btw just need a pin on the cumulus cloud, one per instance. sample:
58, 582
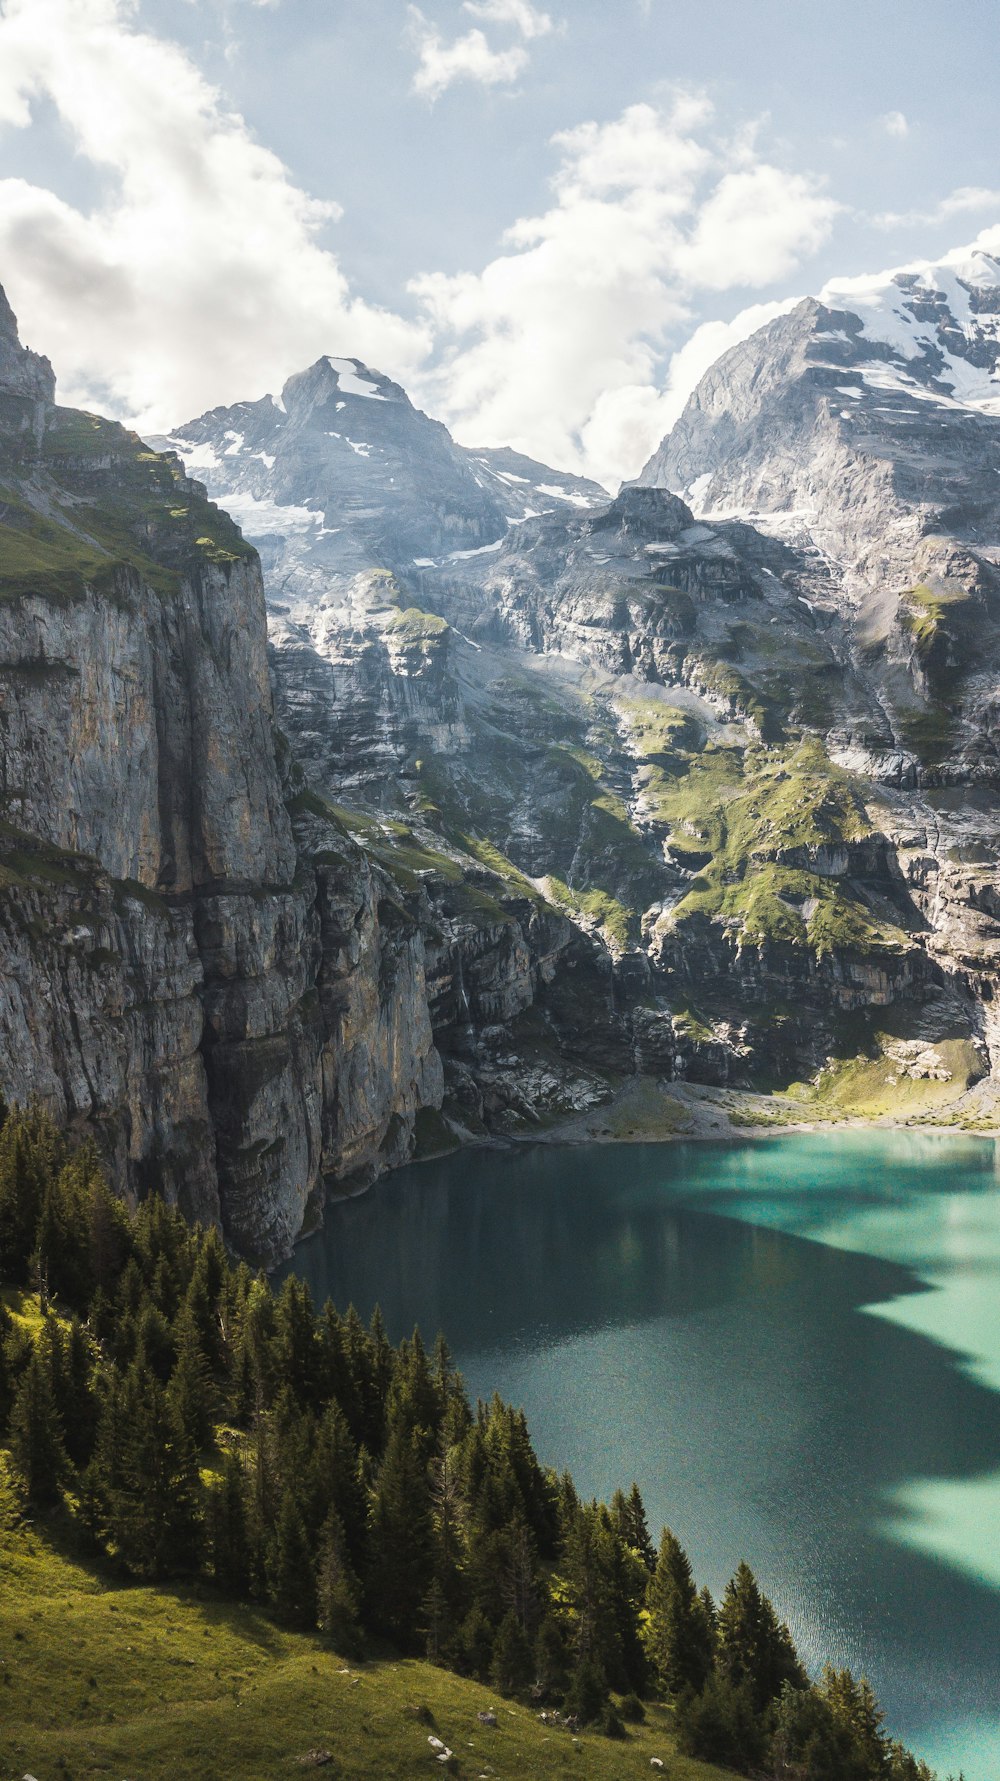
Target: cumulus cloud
200, 271
957, 203
895, 123
557, 345
524, 17
201, 276
472, 58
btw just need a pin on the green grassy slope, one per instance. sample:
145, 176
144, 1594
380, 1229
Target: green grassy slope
101, 1678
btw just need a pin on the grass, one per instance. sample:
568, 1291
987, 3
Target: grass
752, 822
596, 908
924, 611
101, 503
100, 1678
876, 1087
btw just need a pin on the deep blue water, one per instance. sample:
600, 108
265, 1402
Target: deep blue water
793, 1345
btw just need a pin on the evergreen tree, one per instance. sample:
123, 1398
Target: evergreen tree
78, 1405
512, 1661
191, 1393
551, 1660
754, 1646
808, 1744
401, 1538
854, 1707
721, 1725
338, 1593
629, 1515
435, 1614
475, 1644
291, 1574
678, 1637
587, 1694
152, 1504
228, 1533
36, 1435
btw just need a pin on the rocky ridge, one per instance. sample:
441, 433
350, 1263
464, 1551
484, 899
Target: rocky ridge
610, 704
565, 792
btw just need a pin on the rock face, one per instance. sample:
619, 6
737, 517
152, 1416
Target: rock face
234, 1009
863, 430
581, 705
699, 782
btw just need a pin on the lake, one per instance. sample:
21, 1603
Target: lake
792, 1344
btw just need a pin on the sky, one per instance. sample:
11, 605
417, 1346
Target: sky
544, 220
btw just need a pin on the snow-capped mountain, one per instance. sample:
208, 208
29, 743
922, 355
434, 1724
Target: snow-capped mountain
861, 423
343, 474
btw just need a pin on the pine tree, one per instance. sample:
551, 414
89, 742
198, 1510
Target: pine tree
291, 1575
475, 1644
754, 1646
79, 1405
677, 1638
513, 1660
338, 1593
152, 1507
228, 1534
190, 1392
629, 1515
721, 1725
36, 1436
551, 1660
854, 1707
401, 1538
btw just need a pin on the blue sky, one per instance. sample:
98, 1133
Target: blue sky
664, 168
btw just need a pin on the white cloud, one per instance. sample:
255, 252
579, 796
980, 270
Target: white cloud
957, 203
199, 276
895, 123
440, 65
525, 18
556, 346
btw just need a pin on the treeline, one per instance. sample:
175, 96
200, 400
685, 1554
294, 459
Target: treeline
197, 1424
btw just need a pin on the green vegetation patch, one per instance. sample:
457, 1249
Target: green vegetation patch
924, 610
755, 815
102, 502
879, 1086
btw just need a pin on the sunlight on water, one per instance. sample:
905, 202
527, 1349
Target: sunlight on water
792, 1344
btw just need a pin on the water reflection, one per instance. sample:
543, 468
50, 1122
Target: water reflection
680, 1313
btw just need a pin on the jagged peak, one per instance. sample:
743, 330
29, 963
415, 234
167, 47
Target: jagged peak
22, 372
347, 380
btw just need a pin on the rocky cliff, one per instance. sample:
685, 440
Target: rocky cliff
222, 986
699, 782
636, 718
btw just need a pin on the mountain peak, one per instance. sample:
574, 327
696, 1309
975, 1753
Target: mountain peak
346, 382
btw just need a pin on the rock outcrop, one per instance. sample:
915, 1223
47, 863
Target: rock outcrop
235, 1009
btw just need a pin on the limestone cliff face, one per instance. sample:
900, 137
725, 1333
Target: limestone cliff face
234, 1009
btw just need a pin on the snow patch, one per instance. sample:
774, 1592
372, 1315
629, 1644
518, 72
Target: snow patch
351, 383
197, 456
561, 494
260, 518
483, 550
697, 490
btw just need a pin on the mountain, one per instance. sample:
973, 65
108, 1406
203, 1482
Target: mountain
657, 725
229, 1017
508, 793
863, 429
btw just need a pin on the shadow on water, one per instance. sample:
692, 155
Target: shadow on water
727, 1365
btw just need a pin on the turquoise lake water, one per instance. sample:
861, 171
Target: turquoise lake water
793, 1345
